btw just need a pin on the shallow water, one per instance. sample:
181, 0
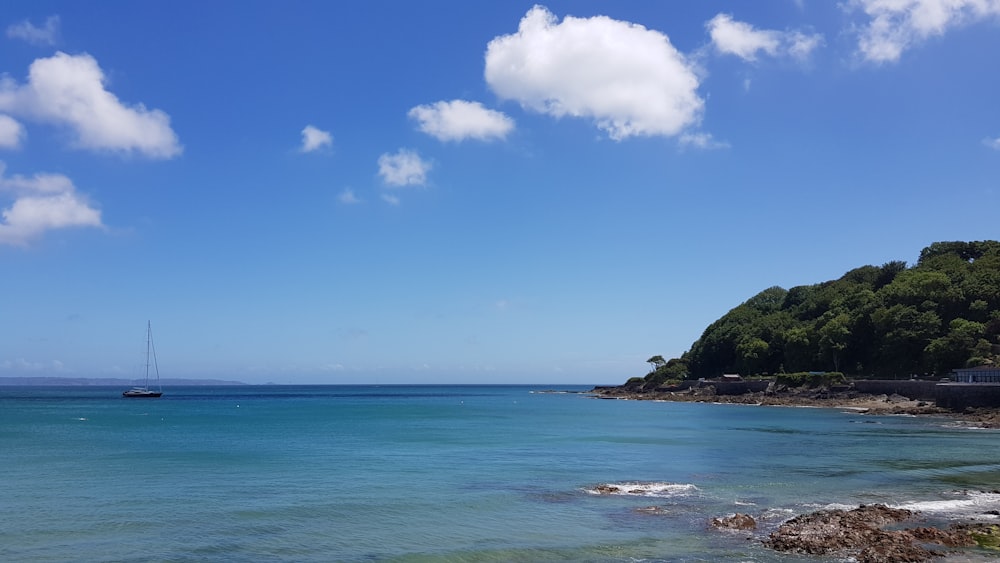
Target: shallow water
449, 473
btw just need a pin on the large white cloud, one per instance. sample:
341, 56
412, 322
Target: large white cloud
743, 40
897, 25
69, 90
36, 35
459, 119
630, 80
314, 138
11, 132
42, 203
403, 168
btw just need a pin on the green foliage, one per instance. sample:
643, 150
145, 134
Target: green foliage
811, 379
657, 362
885, 321
665, 372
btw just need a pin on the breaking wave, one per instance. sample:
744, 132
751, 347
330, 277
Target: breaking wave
965, 504
642, 489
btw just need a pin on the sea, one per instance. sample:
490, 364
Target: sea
475, 473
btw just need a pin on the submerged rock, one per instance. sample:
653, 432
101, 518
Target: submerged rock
651, 510
737, 521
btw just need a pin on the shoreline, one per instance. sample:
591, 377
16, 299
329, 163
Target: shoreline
862, 403
868, 533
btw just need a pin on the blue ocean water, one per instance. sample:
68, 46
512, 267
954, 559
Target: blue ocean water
450, 473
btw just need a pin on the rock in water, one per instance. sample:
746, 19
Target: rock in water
737, 521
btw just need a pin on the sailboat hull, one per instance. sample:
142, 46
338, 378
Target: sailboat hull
141, 394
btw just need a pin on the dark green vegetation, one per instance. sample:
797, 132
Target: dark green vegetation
888, 321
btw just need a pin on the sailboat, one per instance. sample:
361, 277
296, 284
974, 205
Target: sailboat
145, 392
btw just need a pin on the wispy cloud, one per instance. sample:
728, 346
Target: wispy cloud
403, 168
347, 197
459, 119
738, 38
42, 203
390, 199
896, 26
69, 90
314, 139
701, 141
46, 35
992, 143
628, 79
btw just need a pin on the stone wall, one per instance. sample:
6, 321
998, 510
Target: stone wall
738, 387
960, 396
913, 389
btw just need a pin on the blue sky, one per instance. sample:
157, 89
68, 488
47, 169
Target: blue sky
483, 192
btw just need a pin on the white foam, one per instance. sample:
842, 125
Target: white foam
833, 506
642, 489
968, 503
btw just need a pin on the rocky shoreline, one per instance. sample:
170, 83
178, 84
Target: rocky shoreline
869, 534
810, 397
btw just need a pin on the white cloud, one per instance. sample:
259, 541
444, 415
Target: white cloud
992, 143
36, 35
897, 25
390, 199
42, 203
738, 38
701, 141
801, 45
315, 139
630, 80
458, 119
404, 168
69, 90
347, 197
11, 132
741, 39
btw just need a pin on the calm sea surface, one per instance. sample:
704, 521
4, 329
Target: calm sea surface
449, 473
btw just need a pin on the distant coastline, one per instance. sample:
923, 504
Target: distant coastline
101, 382
849, 399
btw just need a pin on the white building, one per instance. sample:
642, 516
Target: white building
980, 374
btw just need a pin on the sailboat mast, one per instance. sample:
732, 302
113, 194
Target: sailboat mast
156, 367
149, 340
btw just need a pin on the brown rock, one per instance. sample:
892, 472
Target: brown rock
607, 489
828, 531
737, 521
859, 533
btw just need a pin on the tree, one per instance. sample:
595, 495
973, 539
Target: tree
834, 336
656, 362
753, 353
955, 348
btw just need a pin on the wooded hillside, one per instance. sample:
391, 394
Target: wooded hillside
875, 321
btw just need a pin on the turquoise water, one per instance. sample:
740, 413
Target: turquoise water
448, 473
